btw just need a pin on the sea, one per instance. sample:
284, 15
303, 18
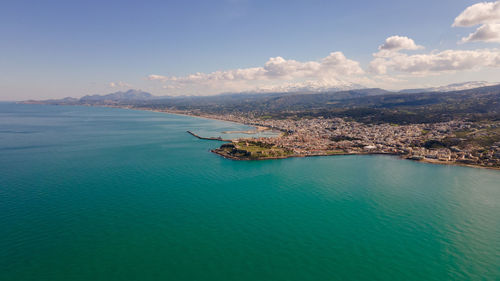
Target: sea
90, 193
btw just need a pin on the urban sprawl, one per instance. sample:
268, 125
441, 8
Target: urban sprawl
446, 142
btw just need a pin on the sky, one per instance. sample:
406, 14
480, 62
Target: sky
55, 49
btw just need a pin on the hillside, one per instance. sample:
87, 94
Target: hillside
364, 105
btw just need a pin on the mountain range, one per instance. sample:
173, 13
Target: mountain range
364, 105
342, 93
451, 87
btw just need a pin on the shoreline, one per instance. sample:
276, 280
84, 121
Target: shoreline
437, 162
427, 161
257, 128
401, 157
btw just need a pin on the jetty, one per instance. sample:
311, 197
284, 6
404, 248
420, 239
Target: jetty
207, 138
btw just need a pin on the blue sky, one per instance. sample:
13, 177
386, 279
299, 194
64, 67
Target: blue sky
51, 49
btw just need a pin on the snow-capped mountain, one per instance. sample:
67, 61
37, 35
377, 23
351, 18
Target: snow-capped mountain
452, 87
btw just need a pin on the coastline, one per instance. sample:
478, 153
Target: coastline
425, 160
259, 128
437, 162
227, 156
401, 157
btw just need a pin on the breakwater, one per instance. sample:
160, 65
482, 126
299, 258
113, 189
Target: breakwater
207, 138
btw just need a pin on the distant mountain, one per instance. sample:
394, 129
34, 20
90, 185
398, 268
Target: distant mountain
451, 87
248, 102
116, 98
129, 95
364, 105
299, 101
310, 87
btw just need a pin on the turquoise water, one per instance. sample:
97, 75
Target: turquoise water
229, 130
112, 194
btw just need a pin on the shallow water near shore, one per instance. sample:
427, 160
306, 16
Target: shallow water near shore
92, 193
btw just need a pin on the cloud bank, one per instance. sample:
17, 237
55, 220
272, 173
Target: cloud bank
330, 70
437, 62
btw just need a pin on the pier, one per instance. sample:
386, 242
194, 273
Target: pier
207, 138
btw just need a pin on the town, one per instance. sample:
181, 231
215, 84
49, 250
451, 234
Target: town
454, 142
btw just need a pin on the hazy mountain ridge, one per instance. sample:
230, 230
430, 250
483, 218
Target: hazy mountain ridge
311, 88
364, 105
340, 93
451, 87
119, 96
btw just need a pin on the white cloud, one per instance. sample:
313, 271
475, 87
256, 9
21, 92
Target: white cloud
333, 68
485, 33
487, 14
397, 43
437, 62
480, 13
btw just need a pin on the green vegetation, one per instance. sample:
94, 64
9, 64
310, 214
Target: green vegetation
335, 152
483, 138
253, 150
